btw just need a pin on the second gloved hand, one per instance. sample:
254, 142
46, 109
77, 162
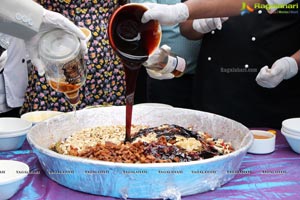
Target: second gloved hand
153, 67
282, 69
158, 75
166, 14
208, 24
52, 20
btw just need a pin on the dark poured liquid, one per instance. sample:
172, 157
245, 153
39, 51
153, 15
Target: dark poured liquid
133, 41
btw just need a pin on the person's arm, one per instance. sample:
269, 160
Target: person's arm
195, 29
198, 9
186, 29
216, 8
21, 19
223, 8
296, 56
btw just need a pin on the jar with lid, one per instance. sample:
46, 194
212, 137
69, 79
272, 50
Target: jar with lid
65, 69
164, 61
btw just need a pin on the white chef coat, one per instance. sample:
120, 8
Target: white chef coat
14, 78
20, 18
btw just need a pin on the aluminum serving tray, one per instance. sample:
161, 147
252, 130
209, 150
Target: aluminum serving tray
163, 180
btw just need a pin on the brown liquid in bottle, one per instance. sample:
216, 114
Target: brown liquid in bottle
133, 41
70, 90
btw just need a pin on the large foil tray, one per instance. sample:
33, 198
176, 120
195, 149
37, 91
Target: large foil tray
164, 180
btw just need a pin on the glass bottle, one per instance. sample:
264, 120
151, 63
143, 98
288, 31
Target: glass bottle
65, 67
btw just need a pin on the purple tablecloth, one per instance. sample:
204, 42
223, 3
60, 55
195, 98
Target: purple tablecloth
271, 176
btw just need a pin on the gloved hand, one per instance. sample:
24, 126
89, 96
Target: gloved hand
282, 69
152, 64
3, 59
52, 20
208, 24
159, 76
155, 57
166, 14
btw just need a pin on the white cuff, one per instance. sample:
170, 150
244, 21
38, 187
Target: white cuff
183, 12
293, 68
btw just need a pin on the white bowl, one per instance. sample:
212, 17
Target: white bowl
13, 133
12, 176
290, 132
292, 125
294, 141
263, 143
38, 116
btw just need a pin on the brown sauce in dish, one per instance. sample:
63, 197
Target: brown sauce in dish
261, 136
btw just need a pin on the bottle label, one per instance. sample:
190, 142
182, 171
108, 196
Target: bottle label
170, 66
73, 71
180, 64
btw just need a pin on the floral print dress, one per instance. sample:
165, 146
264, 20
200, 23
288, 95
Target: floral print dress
105, 83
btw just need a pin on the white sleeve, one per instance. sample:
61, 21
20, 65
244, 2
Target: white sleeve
272, 2
21, 19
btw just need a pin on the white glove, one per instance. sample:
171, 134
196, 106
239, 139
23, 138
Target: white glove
3, 59
52, 20
155, 57
166, 14
208, 24
282, 69
159, 76
154, 60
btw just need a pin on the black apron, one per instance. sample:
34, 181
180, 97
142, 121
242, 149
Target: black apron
230, 60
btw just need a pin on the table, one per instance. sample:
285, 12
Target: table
271, 176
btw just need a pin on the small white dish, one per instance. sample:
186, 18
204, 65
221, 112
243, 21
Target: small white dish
39, 116
13, 132
263, 142
12, 176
